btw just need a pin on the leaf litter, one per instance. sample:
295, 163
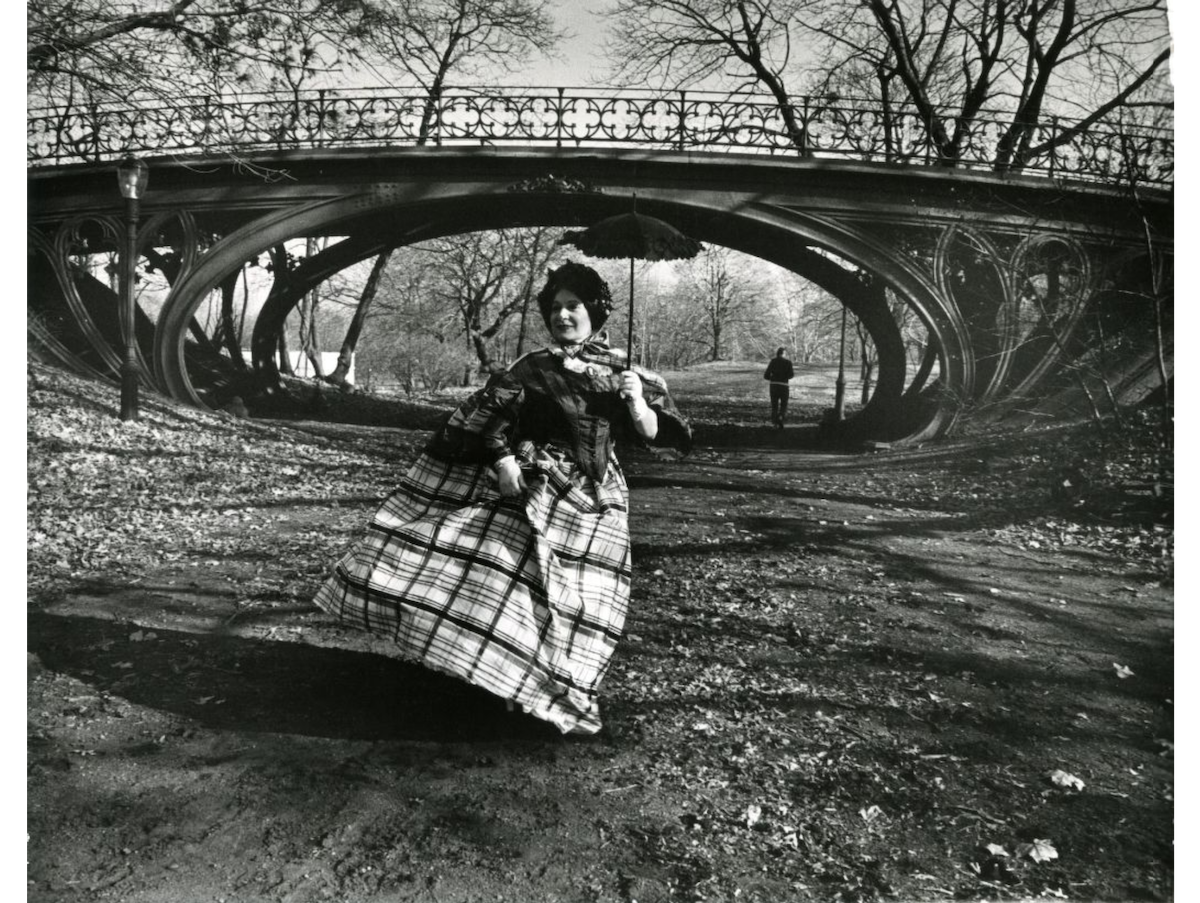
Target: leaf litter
815, 707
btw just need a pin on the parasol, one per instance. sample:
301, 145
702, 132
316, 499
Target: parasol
636, 236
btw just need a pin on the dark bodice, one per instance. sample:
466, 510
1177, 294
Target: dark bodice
550, 399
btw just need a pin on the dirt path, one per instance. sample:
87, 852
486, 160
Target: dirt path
834, 686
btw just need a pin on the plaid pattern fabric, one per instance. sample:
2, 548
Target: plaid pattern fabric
523, 597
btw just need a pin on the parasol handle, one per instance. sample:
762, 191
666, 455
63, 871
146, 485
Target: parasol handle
629, 344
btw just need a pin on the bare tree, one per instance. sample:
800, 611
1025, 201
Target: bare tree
812, 317
536, 248
229, 330
81, 51
307, 308
413, 336
488, 277
943, 61
370, 291
671, 333
868, 359
1032, 60
432, 40
722, 289
743, 44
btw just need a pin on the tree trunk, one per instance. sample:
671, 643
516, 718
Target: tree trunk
370, 290
716, 343
285, 356
868, 381
528, 294
229, 330
266, 354
309, 340
346, 356
483, 352
430, 110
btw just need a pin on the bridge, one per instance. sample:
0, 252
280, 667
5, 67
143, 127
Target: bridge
1025, 280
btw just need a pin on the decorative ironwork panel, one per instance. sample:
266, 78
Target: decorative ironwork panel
712, 123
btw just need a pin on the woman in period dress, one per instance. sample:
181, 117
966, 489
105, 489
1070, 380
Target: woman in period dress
503, 556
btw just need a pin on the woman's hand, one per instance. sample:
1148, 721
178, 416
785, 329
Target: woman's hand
631, 386
509, 477
645, 421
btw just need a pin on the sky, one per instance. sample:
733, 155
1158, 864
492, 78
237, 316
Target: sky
581, 62
581, 57
1175, 39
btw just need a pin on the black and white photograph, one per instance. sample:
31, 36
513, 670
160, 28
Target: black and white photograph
601, 451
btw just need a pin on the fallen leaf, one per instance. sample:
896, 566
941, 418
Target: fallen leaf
1065, 779
870, 813
996, 850
1038, 851
1122, 671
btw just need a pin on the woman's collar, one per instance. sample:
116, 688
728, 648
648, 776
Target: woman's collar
597, 341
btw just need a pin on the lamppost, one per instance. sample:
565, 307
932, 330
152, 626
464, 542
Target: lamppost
839, 397
132, 175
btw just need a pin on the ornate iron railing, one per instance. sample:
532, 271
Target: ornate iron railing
575, 118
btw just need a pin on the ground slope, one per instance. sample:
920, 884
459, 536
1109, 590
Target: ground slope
912, 676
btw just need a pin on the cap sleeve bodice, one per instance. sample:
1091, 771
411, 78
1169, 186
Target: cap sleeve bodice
548, 399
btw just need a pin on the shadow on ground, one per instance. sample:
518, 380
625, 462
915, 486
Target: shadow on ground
233, 683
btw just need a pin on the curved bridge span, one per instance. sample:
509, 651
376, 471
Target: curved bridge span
1003, 272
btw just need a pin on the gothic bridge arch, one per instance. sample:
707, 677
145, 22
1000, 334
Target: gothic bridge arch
999, 270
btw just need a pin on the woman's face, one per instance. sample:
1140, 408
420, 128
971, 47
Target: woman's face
570, 323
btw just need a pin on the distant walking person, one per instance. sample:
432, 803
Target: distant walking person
779, 371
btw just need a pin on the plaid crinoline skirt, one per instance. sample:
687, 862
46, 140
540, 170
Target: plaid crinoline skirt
523, 597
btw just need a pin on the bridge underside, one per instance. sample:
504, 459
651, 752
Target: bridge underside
1020, 287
